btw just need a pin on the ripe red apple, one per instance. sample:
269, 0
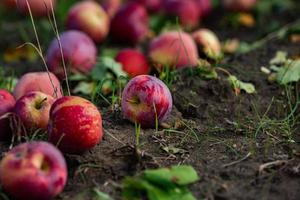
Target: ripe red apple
39, 8
75, 124
79, 51
133, 62
33, 171
187, 11
151, 5
208, 43
146, 99
9, 3
239, 5
111, 6
130, 24
205, 7
173, 49
89, 17
38, 81
7, 103
33, 109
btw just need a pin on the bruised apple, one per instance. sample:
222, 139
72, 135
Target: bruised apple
33, 171
146, 100
75, 124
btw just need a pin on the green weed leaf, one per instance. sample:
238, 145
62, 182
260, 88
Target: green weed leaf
238, 85
289, 73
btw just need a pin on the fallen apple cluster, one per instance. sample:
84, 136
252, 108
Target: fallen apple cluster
37, 170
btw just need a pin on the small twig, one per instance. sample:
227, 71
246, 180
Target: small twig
238, 161
270, 164
111, 135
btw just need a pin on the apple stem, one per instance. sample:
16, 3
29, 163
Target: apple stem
134, 100
39, 104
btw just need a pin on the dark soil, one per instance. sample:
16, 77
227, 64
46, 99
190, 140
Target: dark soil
216, 131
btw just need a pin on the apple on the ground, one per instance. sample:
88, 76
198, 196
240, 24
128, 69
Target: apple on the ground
75, 124
89, 17
130, 25
7, 103
79, 53
45, 82
133, 62
173, 49
208, 43
39, 8
146, 100
33, 171
33, 109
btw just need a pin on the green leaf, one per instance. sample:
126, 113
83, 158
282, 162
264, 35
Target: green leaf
238, 85
161, 184
179, 175
279, 59
105, 65
83, 87
289, 73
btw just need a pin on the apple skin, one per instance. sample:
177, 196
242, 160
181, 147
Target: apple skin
142, 96
239, 5
111, 6
33, 171
38, 81
89, 17
173, 49
33, 109
39, 8
133, 62
208, 42
7, 103
151, 5
11, 4
79, 51
205, 7
130, 25
75, 124
187, 11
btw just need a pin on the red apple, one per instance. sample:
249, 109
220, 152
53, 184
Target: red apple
187, 11
75, 124
205, 7
133, 62
39, 8
33, 109
239, 5
130, 24
89, 17
208, 43
9, 3
7, 103
38, 81
173, 49
111, 6
33, 171
151, 5
146, 99
79, 51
